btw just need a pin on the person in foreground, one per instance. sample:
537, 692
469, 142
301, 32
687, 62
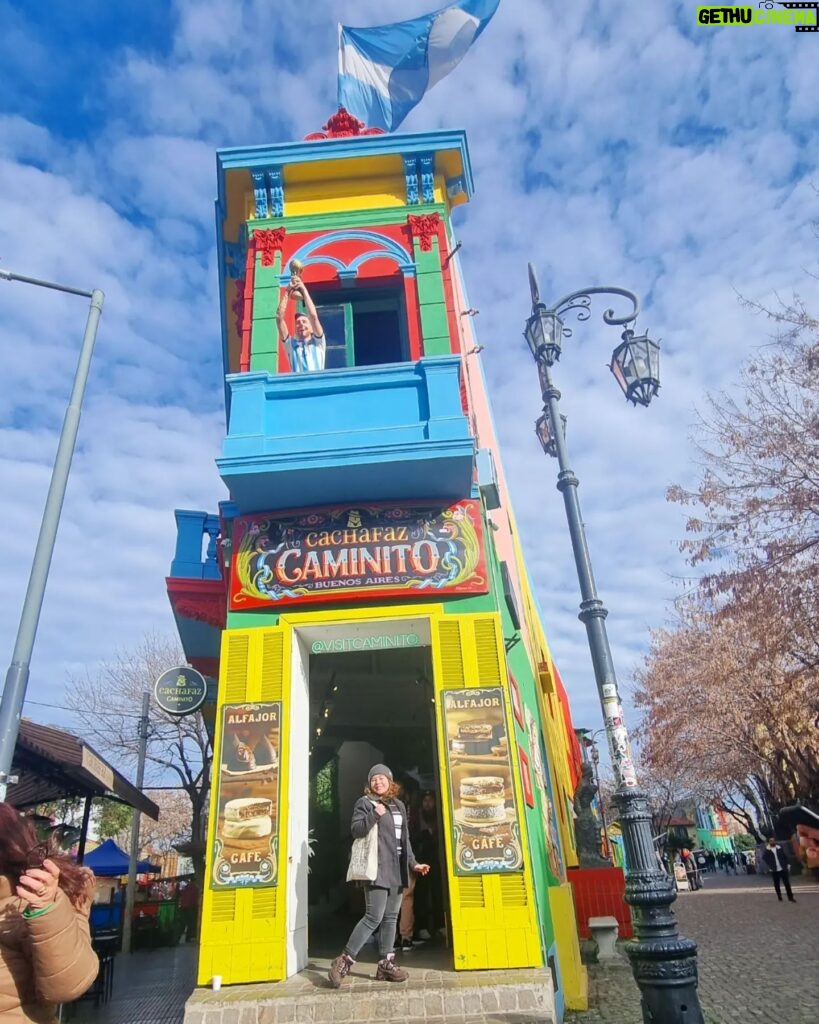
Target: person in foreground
45, 943
777, 862
380, 808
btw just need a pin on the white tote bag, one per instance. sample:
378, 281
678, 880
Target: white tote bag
364, 858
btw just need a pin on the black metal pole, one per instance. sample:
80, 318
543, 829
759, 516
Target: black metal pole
86, 817
664, 963
130, 889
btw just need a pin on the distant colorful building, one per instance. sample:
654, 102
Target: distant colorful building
362, 596
713, 829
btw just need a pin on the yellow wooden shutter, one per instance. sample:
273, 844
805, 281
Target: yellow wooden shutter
493, 916
243, 930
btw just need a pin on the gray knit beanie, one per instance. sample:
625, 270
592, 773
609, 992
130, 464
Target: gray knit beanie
378, 769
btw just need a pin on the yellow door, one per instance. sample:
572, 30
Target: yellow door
493, 916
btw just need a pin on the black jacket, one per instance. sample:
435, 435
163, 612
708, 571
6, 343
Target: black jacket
393, 871
770, 861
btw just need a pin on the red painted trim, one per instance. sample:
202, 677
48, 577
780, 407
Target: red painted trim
517, 706
526, 778
416, 349
576, 756
200, 600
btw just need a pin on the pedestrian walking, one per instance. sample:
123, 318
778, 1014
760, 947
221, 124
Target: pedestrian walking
380, 809
690, 870
777, 863
45, 943
189, 911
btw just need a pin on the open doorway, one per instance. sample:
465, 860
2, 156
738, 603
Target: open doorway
367, 707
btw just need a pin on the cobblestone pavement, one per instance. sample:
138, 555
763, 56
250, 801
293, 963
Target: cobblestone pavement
758, 958
759, 963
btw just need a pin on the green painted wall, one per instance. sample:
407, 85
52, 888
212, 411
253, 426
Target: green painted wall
518, 662
264, 336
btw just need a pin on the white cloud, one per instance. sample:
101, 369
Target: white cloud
609, 144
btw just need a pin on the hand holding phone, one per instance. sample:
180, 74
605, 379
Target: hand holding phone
790, 818
809, 841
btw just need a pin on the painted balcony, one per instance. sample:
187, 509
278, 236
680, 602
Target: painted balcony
196, 588
195, 556
361, 434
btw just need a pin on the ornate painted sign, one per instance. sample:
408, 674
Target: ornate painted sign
247, 797
180, 691
370, 551
485, 828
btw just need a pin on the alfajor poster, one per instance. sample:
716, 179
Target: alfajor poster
486, 832
247, 795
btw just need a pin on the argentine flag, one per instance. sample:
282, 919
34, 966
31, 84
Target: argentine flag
383, 72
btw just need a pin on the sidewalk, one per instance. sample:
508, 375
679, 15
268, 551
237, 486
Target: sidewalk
150, 987
758, 962
758, 958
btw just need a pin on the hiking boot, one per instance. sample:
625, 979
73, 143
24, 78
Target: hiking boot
339, 969
388, 970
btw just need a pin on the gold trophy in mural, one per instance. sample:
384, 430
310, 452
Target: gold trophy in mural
296, 270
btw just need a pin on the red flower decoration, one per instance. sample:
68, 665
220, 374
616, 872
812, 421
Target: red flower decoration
424, 227
269, 241
343, 125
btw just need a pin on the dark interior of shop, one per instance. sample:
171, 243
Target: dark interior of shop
365, 707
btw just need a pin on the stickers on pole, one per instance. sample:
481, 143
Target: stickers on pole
619, 745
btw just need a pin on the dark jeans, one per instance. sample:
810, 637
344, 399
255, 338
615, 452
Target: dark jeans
188, 917
778, 878
381, 911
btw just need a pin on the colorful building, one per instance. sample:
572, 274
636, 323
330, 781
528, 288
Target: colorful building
713, 829
362, 597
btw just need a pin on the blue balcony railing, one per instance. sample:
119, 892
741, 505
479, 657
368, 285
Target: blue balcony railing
193, 560
361, 434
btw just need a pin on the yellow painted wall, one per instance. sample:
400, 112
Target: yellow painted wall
572, 972
244, 930
494, 923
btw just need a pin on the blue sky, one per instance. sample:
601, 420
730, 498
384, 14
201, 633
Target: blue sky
612, 142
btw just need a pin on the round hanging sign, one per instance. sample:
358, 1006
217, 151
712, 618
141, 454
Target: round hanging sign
181, 691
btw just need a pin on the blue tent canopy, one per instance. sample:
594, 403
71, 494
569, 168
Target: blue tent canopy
108, 859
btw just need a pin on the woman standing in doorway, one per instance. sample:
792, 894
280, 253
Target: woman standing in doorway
380, 808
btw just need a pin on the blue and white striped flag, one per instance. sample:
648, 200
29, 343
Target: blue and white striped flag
383, 72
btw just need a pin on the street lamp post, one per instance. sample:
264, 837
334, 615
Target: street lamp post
14, 691
664, 963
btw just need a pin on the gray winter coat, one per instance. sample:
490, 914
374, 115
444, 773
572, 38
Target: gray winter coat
393, 871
